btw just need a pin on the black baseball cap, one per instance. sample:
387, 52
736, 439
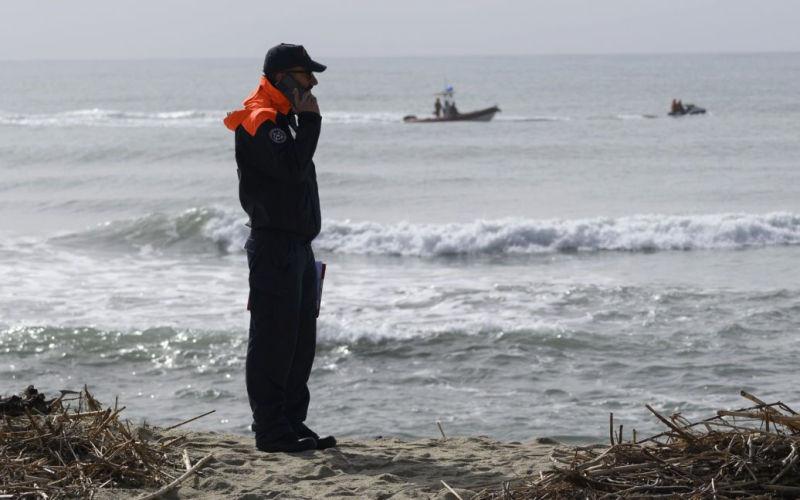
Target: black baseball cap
286, 55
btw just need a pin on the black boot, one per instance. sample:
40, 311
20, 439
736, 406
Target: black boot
288, 443
323, 443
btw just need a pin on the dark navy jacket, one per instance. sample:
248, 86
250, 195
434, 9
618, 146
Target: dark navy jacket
274, 154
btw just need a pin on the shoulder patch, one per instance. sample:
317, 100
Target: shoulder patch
277, 135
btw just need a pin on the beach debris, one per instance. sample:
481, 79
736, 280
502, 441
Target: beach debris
452, 491
752, 453
174, 484
441, 430
30, 398
190, 420
71, 447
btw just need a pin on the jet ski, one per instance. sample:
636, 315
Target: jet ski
690, 109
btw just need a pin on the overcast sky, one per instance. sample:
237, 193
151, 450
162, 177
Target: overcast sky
121, 29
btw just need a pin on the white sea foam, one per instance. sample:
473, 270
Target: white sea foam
349, 117
543, 118
114, 118
223, 229
183, 119
97, 117
634, 117
338, 330
525, 236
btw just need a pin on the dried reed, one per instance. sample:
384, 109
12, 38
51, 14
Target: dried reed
752, 453
71, 446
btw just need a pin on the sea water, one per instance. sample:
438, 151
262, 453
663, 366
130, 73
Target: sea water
581, 254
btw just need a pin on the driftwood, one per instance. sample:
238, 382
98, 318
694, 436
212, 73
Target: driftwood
14, 406
71, 446
174, 484
752, 453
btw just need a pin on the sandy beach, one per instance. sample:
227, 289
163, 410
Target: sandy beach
373, 469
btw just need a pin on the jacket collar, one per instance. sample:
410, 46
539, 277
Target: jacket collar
267, 96
263, 104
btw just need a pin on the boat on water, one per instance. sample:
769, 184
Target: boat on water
448, 112
482, 115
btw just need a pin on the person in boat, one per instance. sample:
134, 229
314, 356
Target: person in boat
679, 107
450, 109
674, 107
437, 108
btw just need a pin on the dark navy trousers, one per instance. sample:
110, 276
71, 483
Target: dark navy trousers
283, 330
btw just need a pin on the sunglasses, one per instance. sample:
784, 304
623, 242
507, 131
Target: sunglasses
301, 72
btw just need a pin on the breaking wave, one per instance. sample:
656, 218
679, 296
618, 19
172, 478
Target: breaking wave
348, 117
113, 118
193, 231
515, 118
223, 230
525, 236
181, 119
96, 117
634, 117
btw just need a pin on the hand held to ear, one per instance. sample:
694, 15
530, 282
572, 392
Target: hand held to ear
305, 102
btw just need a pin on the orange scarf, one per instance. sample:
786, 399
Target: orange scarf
263, 104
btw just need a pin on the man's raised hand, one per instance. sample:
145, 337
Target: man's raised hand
305, 102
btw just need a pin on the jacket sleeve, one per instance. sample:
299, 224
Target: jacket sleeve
279, 155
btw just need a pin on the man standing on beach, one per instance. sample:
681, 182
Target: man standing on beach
276, 136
